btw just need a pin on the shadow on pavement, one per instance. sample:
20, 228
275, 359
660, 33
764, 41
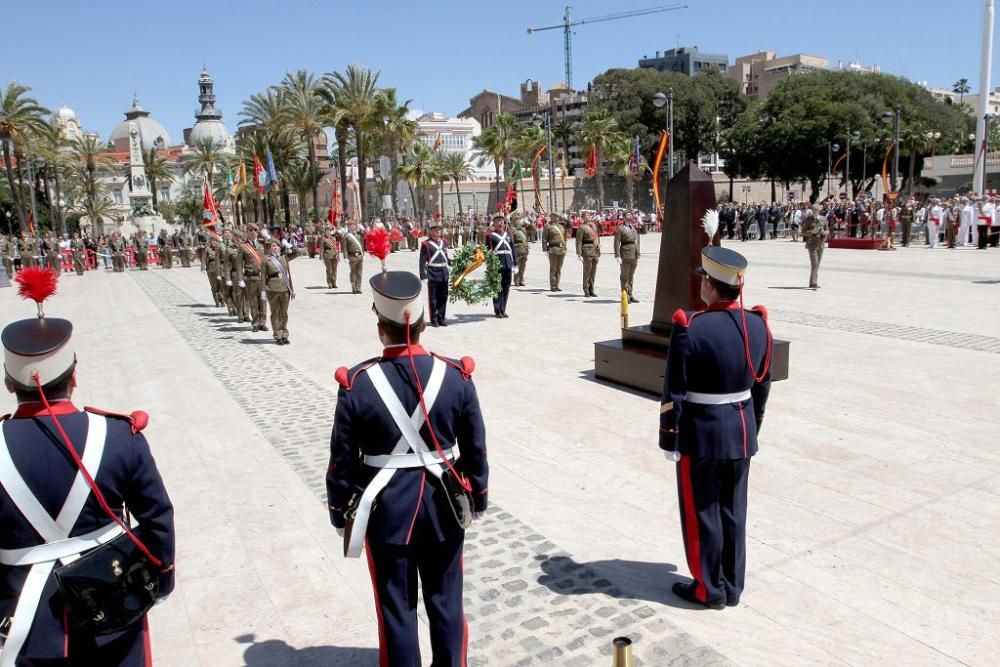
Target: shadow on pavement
195, 305
273, 652
986, 282
461, 319
619, 579
790, 287
591, 376
233, 329
593, 300
257, 341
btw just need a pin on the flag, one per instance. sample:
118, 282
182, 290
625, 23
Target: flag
591, 167
437, 142
516, 170
240, 182
210, 213
660, 151
259, 175
272, 173
31, 223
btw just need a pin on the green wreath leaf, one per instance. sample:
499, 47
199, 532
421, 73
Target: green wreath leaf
475, 291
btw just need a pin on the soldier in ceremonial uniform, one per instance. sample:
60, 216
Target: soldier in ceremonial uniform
48, 512
815, 230
500, 243
554, 245
627, 253
588, 249
253, 296
7, 254
117, 246
27, 246
715, 389
212, 265
235, 281
354, 251
53, 256
185, 242
435, 269
407, 475
165, 246
278, 288
331, 256
522, 248
141, 244
79, 254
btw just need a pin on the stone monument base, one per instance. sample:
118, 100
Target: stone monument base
639, 358
147, 223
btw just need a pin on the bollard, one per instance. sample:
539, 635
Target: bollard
621, 652
624, 309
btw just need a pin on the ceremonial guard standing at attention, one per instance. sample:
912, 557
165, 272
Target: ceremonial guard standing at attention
554, 245
521, 248
716, 386
588, 249
627, 253
279, 288
142, 250
815, 230
27, 246
253, 295
500, 242
164, 245
117, 252
185, 242
52, 254
355, 254
331, 256
54, 517
234, 280
435, 269
79, 254
7, 254
407, 475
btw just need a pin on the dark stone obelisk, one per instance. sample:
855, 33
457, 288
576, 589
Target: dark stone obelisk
638, 358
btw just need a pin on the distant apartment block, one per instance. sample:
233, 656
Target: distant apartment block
759, 73
686, 60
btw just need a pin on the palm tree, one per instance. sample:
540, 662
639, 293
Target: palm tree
91, 158
301, 178
206, 154
19, 116
914, 136
487, 146
158, 171
961, 88
597, 128
354, 92
453, 165
399, 132
304, 110
563, 132
96, 209
418, 170
621, 153
49, 144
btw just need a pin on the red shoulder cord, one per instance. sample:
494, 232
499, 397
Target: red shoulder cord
746, 342
90, 480
427, 417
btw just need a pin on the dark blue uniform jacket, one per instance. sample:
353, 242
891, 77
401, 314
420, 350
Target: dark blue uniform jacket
433, 273
506, 261
127, 474
362, 425
707, 354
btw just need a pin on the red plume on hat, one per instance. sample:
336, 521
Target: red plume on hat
395, 236
377, 243
37, 284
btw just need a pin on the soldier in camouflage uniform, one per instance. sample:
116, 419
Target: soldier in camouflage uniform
815, 230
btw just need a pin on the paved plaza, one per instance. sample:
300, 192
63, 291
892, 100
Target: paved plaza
874, 501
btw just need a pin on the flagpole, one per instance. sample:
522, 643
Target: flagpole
985, 74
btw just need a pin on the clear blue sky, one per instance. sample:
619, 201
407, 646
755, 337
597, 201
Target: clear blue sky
438, 52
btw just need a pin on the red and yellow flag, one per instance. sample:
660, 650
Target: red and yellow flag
660, 151
590, 169
437, 142
259, 175
210, 214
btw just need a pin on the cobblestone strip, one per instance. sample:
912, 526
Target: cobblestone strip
957, 339
528, 602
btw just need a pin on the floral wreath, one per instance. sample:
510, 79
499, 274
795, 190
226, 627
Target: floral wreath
468, 259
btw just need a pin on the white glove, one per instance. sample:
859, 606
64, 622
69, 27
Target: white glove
673, 457
618, 259
263, 296
242, 284
340, 532
229, 283
580, 257
476, 516
219, 277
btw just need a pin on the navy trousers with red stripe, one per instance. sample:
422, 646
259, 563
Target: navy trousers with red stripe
394, 570
713, 503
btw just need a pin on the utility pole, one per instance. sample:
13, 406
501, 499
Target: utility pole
985, 74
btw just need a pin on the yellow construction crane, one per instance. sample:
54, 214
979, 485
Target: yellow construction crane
567, 26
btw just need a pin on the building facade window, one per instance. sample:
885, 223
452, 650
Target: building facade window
165, 194
117, 195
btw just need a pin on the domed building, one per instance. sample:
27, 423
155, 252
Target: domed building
151, 133
69, 125
209, 119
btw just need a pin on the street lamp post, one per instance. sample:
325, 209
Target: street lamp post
659, 100
31, 187
847, 173
547, 119
746, 192
830, 150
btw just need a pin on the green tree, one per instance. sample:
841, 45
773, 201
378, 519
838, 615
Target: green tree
159, 171
418, 171
621, 154
961, 88
206, 154
597, 128
91, 161
914, 137
563, 132
399, 133
19, 116
302, 179
50, 145
454, 166
489, 148
354, 92
304, 110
